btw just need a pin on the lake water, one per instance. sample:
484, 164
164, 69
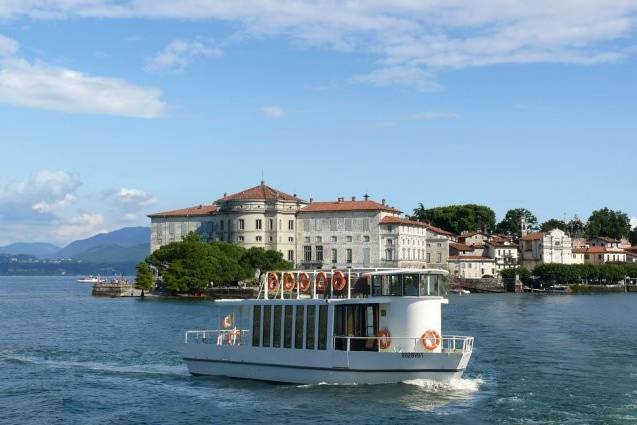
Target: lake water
69, 358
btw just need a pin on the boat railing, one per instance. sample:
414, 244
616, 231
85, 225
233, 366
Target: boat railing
217, 337
448, 344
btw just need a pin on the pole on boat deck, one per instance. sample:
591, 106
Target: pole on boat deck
314, 285
298, 285
349, 282
265, 287
281, 284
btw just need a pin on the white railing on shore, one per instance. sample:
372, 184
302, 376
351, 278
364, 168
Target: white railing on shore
217, 337
448, 344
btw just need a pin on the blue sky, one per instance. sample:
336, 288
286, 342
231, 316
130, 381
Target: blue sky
113, 109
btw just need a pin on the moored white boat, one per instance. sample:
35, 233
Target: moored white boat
90, 279
366, 327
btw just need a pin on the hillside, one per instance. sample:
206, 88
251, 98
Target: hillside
36, 249
115, 254
126, 237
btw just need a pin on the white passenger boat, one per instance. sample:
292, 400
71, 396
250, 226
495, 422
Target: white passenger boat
310, 327
90, 279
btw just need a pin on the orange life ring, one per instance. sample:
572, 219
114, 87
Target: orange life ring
321, 281
288, 281
273, 281
430, 340
384, 339
304, 282
338, 280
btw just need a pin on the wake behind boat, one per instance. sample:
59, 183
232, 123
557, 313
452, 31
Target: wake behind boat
310, 327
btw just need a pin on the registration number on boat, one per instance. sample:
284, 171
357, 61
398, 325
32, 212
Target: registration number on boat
412, 355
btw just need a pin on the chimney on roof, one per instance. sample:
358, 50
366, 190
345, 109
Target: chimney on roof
353, 198
225, 194
340, 200
366, 196
383, 202
294, 195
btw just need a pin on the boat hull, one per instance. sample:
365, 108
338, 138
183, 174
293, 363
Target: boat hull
331, 367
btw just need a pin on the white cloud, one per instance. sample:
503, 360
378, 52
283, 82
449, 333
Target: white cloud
180, 53
403, 35
37, 198
8, 46
80, 226
273, 111
135, 198
409, 76
633, 222
39, 85
129, 217
433, 116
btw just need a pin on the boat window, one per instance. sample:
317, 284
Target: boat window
298, 326
410, 285
339, 327
376, 286
424, 281
385, 285
309, 328
256, 325
276, 334
395, 287
267, 320
322, 328
433, 284
287, 327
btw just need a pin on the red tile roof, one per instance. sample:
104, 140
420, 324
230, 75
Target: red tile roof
606, 239
196, 211
438, 230
405, 221
596, 250
462, 247
533, 236
261, 192
470, 258
347, 206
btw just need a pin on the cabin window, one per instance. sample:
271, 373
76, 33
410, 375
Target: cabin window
385, 285
256, 325
395, 287
287, 327
357, 323
322, 328
309, 328
298, 326
276, 334
376, 286
410, 285
267, 320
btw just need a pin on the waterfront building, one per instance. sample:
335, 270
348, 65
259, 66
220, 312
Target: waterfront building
473, 238
472, 266
438, 241
601, 254
503, 252
554, 246
603, 241
357, 234
631, 254
257, 217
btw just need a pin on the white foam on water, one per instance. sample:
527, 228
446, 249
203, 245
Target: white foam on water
462, 385
157, 369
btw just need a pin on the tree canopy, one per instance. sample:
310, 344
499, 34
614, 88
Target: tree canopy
457, 218
633, 236
553, 223
510, 224
577, 273
609, 223
144, 278
191, 264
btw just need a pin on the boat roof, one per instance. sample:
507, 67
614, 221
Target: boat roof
364, 300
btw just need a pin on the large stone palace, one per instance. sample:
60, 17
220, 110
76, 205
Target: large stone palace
342, 233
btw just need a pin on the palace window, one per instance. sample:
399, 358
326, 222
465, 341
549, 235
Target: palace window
290, 224
334, 239
271, 224
349, 255
242, 224
259, 238
334, 256
291, 255
241, 238
366, 238
348, 238
259, 224
318, 239
291, 239
307, 253
319, 253
389, 254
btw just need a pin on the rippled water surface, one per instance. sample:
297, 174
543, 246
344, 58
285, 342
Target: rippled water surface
69, 358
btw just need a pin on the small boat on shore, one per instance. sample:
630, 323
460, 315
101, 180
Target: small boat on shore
311, 327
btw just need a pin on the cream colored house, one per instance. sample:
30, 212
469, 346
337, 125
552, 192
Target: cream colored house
504, 253
260, 216
601, 254
554, 246
471, 266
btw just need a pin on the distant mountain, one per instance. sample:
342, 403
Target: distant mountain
115, 254
36, 249
128, 237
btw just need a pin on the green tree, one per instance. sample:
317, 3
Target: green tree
633, 237
144, 276
609, 223
264, 260
457, 218
553, 223
523, 274
510, 224
575, 228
